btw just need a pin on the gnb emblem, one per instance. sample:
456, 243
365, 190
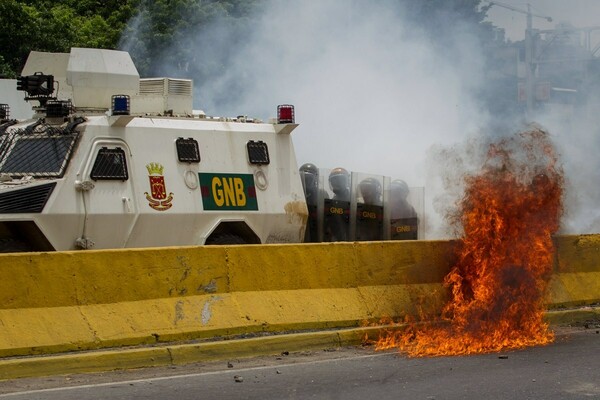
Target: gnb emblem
158, 199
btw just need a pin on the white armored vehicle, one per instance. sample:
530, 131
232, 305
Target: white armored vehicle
110, 160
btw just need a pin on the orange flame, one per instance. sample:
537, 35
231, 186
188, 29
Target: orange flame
504, 259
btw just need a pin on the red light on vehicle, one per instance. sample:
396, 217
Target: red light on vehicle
285, 114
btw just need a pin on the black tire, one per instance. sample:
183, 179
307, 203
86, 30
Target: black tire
225, 238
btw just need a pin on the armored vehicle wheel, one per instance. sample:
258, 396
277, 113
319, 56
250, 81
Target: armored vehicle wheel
225, 238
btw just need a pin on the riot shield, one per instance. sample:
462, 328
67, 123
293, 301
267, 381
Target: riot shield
405, 211
336, 224
368, 214
336, 210
404, 229
310, 184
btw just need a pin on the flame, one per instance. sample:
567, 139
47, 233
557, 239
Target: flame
504, 258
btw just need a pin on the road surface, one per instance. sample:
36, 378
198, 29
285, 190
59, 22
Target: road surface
566, 369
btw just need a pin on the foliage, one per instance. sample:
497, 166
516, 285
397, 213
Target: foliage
47, 25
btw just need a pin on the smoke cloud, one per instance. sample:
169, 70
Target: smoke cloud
371, 95
580, 13
372, 92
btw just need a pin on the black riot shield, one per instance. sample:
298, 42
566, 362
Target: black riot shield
311, 233
369, 222
337, 221
404, 229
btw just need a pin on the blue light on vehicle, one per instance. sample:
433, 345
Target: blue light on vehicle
120, 104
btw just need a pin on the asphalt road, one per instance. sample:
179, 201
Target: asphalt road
566, 369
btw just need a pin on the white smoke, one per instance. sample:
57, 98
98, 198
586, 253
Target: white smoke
369, 94
579, 13
575, 130
372, 94
577, 136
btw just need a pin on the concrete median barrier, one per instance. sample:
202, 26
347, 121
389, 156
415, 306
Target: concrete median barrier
58, 302
73, 301
576, 278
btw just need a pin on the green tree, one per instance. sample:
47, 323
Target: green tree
19, 31
52, 26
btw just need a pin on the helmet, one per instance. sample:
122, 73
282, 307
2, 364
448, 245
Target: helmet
399, 189
309, 168
370, 189
309, 173
339, 180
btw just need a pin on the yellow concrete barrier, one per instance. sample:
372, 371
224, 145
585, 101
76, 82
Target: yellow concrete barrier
576, 278
58, 302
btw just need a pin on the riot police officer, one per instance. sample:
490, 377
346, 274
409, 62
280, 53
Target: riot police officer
337, 209
404, 221
309, 174
339, 182
370, 190
369, 219
401, 208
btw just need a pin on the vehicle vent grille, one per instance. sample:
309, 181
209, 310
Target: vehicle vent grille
38, 150
27, 200
258, 152
187, 150
110, 164
152, 86
182, 87
37, 154
166, 86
